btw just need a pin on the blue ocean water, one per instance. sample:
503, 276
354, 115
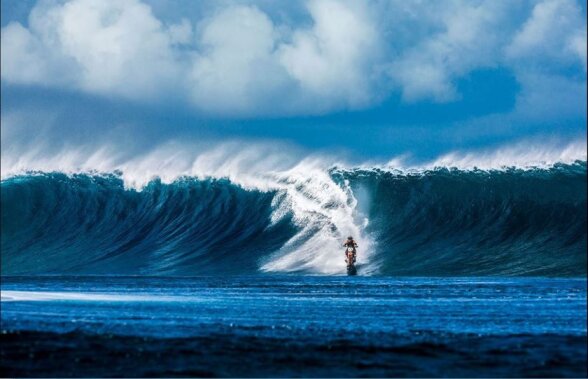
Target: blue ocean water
393, 326
475, 273
276, 305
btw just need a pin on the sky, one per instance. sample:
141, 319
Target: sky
371, 79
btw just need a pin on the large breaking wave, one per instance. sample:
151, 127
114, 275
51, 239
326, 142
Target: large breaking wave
442, 221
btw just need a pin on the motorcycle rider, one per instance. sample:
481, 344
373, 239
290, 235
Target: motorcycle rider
350, 243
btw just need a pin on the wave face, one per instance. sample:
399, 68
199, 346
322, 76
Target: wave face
452, 222
82, 224
440, 222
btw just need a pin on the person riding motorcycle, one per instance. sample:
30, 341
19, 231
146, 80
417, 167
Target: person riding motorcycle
350, 243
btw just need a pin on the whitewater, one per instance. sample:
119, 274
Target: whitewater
193, 210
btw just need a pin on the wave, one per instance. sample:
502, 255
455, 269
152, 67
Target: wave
441, 221
455, 222
54, 223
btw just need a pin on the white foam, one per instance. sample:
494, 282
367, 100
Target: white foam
77, 296
522, 155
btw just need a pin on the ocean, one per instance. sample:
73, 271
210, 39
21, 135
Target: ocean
296, 325
464, 273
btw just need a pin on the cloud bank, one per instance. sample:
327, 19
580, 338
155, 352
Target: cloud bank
240, 59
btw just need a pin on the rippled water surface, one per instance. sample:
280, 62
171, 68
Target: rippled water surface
299, 325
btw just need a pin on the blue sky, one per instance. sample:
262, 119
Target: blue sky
373, 79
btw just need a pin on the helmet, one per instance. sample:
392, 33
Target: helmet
349, 238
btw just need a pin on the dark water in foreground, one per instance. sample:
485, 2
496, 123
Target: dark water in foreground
267, 325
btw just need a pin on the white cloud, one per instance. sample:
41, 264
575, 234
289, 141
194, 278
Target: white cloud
469, 37
549, 42
555, 31
251, 63
181, 33
237, 60
112, 41
23, 59
27, 60
108, 47
577, 44
235, 69
331, 59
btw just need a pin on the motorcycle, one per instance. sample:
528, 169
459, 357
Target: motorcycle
350, 260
